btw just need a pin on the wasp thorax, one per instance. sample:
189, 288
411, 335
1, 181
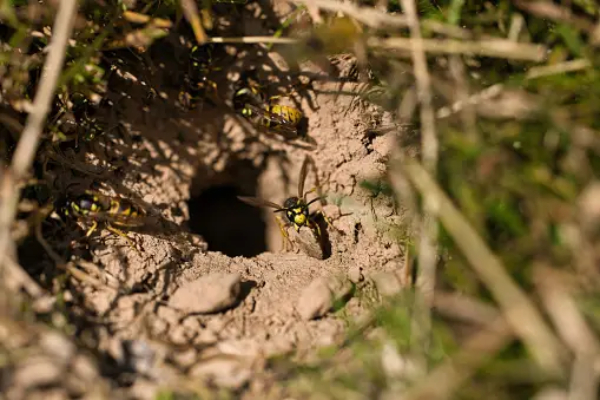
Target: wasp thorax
292, 202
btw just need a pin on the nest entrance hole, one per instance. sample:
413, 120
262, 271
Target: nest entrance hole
229, 225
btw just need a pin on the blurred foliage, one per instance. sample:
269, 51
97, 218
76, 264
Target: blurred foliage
518, 179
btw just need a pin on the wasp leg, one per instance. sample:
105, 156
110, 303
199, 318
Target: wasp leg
92, 229
123, 235
315, 227
321, 212
284, 236
327, 219
215, 90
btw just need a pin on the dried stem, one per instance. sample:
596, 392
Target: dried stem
427, 255
28, 143
499, 48
190, 11
519, 311
254, 39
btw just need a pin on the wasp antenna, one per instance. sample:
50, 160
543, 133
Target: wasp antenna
315, 199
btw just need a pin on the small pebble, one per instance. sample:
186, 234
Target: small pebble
208, 294
226, 371
355, 274
388, 283
58, 346
318, 297
37, 371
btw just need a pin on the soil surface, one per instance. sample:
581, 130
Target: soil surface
205, 287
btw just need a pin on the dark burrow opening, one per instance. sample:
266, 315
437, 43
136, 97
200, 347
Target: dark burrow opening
227, 224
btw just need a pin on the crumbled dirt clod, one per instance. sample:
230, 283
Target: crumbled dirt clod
307, 242
226, 372
256, 295
208, 294
388, 283
355, 274
38, 371
319, 297
58, 346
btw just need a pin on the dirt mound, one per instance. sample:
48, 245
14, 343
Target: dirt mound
205, 288
176, 165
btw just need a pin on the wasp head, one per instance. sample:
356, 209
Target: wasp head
296, 211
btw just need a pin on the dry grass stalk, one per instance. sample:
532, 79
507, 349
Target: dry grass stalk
28, 143
519, 311
254, 40
190, 11
427, 255
499, 48
560, 68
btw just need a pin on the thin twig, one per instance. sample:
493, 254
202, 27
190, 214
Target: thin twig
427, 255
499, 48
519, 311
254, 39
560, 68
26, 148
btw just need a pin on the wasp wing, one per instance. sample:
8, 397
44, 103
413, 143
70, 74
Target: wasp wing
255, 201
302, 178
125, 221
276, 123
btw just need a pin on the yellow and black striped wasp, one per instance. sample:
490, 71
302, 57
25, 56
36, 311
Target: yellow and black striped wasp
251, 103
295, 209
92, 208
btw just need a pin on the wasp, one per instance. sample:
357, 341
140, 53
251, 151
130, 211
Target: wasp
92, 207
295, 209
199, 85
251, 103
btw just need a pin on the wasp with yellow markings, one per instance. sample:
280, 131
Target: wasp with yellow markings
295, 209
261, 111
92, 208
